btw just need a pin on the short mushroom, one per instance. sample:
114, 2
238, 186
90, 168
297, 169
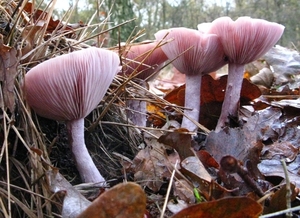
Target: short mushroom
243, 41
194, 54
67, 88
143, 60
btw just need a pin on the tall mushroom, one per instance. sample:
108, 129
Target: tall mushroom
194, 54
67, 88
244, 41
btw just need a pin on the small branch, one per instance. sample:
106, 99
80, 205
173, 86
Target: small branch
288, 189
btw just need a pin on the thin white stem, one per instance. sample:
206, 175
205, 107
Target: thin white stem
192, 101
85, 165
232, 96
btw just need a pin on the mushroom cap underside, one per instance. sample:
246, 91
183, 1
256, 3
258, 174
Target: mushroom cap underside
191, 51
70, 86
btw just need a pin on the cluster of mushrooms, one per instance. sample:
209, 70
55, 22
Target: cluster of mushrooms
68, 87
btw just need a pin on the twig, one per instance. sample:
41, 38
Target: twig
288, 189
168, 191
280, 212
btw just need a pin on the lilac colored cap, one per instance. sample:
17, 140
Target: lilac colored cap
70, 86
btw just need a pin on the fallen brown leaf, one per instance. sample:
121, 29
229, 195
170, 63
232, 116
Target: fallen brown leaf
152, 165
233, 207
53, 25
278, 200
279, 150
9, 59
122, 201
207, 159
178, 140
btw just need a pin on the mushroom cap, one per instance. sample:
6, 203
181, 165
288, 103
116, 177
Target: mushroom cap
193, 52
246, 39
143, 59
70, 86
204, 27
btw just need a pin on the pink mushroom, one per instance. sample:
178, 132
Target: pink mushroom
67, 88
143, 60
244, 41
194, 54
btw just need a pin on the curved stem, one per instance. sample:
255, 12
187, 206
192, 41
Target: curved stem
232, 96
192, 101
85, 165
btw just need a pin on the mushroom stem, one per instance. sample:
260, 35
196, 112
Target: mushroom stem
232, 95
85, 165
192, 101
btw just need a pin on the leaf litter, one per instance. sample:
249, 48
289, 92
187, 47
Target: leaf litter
232, 173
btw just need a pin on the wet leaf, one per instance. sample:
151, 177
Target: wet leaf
122, 201
234, 207
287, 102
273, 168
228, 142
291, 131
285, 62
207, 159
279, 150
9, 59
262, 125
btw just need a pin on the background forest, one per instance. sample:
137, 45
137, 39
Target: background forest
153, 15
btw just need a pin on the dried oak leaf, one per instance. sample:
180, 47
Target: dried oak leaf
122, 201
9, 59
233, 207
30, 35
53, 25
152, 165
178, 140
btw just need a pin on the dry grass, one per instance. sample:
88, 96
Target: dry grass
31, 145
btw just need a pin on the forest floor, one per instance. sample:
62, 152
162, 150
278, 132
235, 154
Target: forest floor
248, 169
